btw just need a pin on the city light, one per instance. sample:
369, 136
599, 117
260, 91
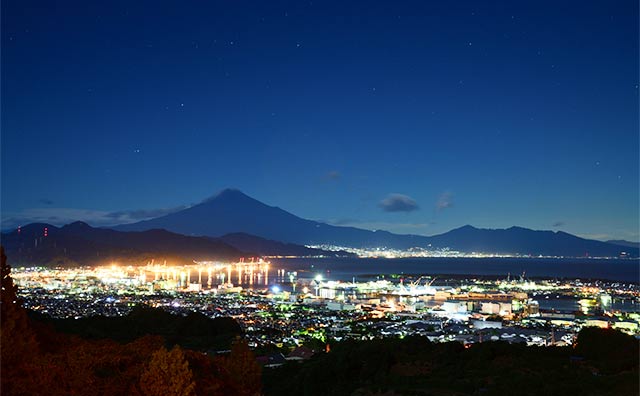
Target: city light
524, 307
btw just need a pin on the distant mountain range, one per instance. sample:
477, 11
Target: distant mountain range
527, 242
621, 242
80, 244
231, 225
231, 211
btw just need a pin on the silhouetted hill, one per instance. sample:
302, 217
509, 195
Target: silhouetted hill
233, 212
79, 243
518, 240
604, 362
266, 247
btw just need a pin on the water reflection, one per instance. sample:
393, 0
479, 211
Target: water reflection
209, 275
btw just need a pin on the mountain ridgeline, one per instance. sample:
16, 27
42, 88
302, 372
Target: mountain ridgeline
622, 242
527, 242
267, 247
80, 244
231, 211
233, 225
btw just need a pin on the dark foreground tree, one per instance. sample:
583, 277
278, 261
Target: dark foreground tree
168, 374
18, 346
243, 369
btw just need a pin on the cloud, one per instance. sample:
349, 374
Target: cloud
379, 225
142, 214
333, 175
345, 221
617, 234
445, 201
55, 216
597, 237
398, 203
98, 218
558, 224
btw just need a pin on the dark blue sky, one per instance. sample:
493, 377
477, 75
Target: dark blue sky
492, 114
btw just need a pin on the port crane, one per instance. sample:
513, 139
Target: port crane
416, 283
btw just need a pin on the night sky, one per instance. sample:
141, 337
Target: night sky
415, 117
